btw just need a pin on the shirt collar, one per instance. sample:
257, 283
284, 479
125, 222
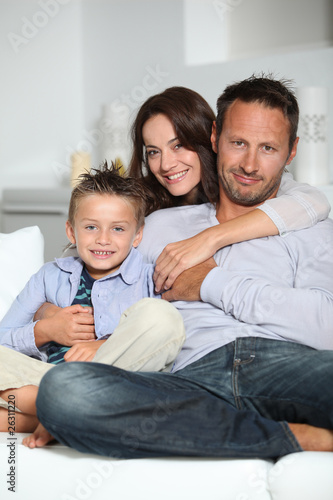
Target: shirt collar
129, 270
70, 264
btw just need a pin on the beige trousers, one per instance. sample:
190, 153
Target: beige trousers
148, 337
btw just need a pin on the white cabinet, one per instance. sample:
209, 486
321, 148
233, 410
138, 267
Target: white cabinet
46, 208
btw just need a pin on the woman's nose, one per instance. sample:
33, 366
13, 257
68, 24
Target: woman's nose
168, 160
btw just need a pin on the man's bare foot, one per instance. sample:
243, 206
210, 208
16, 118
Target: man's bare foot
40, 437
312, 438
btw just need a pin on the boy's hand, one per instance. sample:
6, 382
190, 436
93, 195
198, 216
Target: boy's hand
83, 351
67, 326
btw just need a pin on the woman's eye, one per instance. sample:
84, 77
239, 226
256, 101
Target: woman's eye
178, 145
151, 153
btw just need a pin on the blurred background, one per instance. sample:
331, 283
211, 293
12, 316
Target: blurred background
74, 72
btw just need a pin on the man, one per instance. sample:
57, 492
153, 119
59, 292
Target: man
255, 375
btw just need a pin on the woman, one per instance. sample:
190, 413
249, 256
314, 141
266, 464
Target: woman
172, 154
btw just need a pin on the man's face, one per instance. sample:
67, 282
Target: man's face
253, 150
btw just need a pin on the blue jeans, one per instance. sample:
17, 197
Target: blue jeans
234, 402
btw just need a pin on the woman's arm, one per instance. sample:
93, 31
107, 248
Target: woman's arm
297, 206
181, 255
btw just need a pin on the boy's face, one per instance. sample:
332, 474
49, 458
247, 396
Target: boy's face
104, 232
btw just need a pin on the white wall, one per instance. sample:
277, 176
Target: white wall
268, 27
84, 54
41, 98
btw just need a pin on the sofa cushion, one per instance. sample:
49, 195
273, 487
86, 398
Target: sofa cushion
21, 255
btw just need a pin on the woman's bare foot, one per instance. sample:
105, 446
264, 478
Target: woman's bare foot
40, 437
312, 438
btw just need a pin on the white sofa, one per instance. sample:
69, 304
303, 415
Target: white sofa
59, 473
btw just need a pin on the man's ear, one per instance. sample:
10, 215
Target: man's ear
213, 137
293, 151
138, 237
70, 232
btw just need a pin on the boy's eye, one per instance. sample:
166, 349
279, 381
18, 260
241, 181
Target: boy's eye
118, 229
90, 228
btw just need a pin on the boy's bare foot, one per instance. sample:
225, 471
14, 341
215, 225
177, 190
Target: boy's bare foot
312, 438
23, 422
40, 437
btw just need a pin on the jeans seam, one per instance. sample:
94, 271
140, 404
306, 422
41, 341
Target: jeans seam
237, 363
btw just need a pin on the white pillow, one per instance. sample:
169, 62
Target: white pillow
21, 255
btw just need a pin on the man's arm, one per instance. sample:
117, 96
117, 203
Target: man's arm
300, 312
46, 310
187, 285
67, 326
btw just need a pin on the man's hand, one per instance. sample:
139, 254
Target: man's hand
187, 285
83, 351
45, 311
66, 326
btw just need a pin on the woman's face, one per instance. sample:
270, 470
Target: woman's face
175, 167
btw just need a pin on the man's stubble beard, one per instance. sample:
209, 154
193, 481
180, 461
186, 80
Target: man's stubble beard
252, 198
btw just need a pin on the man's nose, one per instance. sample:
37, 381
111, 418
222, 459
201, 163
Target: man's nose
249, 161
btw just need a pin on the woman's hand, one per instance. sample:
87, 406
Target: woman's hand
182, 255
83, 351
67, 326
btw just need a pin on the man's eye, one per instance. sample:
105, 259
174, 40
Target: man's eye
268, 148
238, 143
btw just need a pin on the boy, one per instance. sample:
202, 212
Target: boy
105, 222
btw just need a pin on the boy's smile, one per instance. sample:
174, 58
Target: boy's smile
105, 229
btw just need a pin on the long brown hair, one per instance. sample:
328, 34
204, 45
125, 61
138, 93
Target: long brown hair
192, 119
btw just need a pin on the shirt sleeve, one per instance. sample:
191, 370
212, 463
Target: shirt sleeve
297, 206
17, 326
301, 312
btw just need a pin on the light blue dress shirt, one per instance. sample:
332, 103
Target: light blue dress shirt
275, 288
57, 282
